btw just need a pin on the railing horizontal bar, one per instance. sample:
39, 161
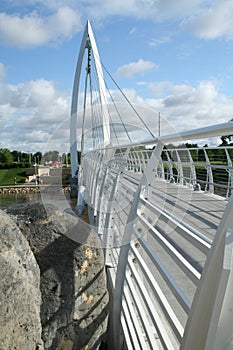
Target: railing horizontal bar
197, 239
113, 255
127, 335
148, 329
167, 309
200, 165
132, 305
130, 179
186, 267
160, 327
132, 329
197, 233
212, 165
171, 283
200, 133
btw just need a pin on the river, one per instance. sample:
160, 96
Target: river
62, 201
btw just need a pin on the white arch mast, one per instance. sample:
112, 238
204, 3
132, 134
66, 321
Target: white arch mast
87, 40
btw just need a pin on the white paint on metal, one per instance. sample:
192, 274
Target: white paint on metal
153, 265
87, 35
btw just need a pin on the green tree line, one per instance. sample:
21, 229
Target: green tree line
18, 159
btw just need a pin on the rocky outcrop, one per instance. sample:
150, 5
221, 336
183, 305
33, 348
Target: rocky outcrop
20, 326
74, 308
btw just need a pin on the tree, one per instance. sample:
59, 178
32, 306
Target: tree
15, 155
51, 156
226, 138
37, 157
6, 157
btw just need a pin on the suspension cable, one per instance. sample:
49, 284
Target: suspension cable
124, 95
95, 129
98, 111
119, 115
88, 69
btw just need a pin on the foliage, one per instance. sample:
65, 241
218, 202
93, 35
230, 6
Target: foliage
18, 159
226, 138
51, 156
5, 156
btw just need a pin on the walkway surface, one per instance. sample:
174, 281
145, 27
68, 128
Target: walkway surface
199, 210
177, 226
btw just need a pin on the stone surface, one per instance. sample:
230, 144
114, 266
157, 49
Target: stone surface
74, 310
20, 299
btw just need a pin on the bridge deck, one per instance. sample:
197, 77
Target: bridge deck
177, 226
198, 209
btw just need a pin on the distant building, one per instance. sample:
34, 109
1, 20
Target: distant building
54, 164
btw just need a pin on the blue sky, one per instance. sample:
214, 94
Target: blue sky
173, 57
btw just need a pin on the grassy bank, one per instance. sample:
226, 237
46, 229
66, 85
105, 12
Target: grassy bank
7, 176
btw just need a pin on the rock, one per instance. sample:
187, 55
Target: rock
20, 326
74, 310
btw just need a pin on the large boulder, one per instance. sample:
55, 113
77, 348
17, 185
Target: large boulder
74, 309
20, 298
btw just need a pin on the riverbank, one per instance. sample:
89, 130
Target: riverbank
25, 189
31, 176
8, 177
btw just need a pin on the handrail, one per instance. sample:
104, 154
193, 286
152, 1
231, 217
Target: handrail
164, 222
216, 130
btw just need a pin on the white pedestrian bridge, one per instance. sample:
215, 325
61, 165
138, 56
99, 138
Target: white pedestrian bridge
164, 214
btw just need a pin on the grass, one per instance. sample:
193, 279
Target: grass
7, 176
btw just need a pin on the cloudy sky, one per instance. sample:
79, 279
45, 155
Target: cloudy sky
173, 57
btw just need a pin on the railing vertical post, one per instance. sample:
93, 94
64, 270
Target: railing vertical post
134, 161
180, 177
162, 170
169, 165
193, 175
129, 166
230, 174
110, 227
144, 160
95, 181
210, 179
101, 199
139, 166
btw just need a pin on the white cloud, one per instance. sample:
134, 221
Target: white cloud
212, 22
33, 30
30, 113
173, 9
35, 116
132, 68
154, 42
187, 107
132, 31
140, 9
204, 94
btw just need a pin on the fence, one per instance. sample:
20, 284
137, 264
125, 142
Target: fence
165, 219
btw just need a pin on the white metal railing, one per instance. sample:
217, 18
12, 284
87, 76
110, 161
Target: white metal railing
167, 239
210, 167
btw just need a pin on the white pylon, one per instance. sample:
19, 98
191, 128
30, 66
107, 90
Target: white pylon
88, 36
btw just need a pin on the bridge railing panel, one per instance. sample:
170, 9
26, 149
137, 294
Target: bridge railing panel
157, 236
